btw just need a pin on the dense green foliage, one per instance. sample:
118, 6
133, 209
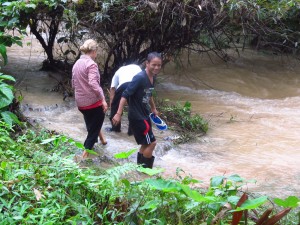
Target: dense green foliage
182, 116
181, 119
6, 98
41, 184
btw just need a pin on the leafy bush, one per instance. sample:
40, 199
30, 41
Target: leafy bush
6, 98
182, 120
41, 184
182, 116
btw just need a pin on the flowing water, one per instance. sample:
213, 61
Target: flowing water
252, 105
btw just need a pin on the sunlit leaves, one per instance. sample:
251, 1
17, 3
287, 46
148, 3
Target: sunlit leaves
196, 196
252, 204
163, 185
291, 201
43, 183
150, 172
124, 155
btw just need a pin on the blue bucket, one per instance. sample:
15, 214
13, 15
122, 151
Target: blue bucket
160, 124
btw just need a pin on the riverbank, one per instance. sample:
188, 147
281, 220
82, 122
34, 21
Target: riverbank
250, 136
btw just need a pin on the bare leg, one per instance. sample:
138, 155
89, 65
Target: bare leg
102, 138
147, 150
85, 154
103, 141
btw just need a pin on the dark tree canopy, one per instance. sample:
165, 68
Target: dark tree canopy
127, 30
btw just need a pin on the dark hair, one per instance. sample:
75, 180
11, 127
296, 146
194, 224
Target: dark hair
153, 55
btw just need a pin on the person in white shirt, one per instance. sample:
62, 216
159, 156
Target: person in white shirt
119, 83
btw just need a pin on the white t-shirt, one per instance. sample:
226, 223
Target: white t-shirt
124, 74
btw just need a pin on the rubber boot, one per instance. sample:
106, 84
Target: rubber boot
147, 162
139, 158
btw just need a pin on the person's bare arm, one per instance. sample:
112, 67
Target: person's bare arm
112, 92
153, 107
117, 117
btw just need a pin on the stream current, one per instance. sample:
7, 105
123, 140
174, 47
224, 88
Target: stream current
252, 104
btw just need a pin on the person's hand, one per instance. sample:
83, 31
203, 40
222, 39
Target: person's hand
155, 112
104, 106
116, 119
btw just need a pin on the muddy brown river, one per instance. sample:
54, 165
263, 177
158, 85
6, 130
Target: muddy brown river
252, 104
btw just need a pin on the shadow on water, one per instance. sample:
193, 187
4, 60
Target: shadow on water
251, 103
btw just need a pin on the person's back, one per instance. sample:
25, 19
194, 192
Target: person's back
124, 74
119, 83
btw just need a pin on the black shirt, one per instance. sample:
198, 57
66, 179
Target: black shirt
138, 94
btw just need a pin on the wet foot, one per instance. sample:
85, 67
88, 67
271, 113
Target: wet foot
85, 155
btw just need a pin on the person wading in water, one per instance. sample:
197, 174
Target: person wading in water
138, 95
89, 95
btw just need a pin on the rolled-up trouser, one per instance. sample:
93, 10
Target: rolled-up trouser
93, 119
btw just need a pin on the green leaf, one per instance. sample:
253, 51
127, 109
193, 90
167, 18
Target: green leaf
48, 140
233, 199
131, 8
9, 118
126, 182
7, 77
3, 165
235, 178
252, 204
79, 145
18, 217
6, 95
164, 185
3, 53
196, 196
124, 155
150, 172
91, 152
4, 102
216, 181
289, 202
187, 105
152, 205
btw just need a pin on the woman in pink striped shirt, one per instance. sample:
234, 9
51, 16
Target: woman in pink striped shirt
89, 95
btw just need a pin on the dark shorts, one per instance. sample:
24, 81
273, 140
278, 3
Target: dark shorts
142, 131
